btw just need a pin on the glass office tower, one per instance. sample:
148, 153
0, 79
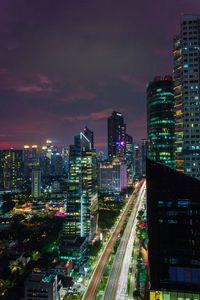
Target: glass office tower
82, 200
173, 214
116, 136
160, 120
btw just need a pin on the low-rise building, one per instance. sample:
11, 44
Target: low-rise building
73, 248
41, 286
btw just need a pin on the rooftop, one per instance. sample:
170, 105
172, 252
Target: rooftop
41, 278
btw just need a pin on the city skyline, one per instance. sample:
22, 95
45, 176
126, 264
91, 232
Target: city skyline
67, 66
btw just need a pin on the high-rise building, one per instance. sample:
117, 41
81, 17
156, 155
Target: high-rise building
36, 183
137, 162
49, 148
187, 96
56, 164
90, 135
160, 120
173, 214
31, 159
129, 156
11, 169
112, 176
82, 200
65, 156
116, 136
45, 166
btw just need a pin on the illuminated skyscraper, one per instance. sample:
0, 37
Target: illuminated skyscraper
187, 96
112, 177
173, 214
129, 156
137, 161
82, 201
116, 136
36, 183
160, 120
11, 169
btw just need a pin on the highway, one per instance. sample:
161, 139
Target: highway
123, 279
91, 291
116, 285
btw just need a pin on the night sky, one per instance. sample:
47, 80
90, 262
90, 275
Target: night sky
69, 63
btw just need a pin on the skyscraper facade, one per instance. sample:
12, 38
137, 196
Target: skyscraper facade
160, 120
36, 183
11, 169
137, 162
90, 135
129, 156
31, 159
112, 177
82, 200
187, 96
173, 214
116, 136
56, 164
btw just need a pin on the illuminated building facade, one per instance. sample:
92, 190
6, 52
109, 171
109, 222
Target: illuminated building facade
187, 96
112, 176
160, 120
116, 136
36, 183
129, 155
11, 169
173, 214
82, 200
137, 161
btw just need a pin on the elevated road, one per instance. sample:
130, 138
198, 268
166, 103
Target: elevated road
91, 292
116, 285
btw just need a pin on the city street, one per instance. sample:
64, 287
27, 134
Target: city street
98, 272
123, 279
116, 285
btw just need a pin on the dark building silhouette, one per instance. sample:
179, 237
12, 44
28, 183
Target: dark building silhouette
173, 212
144, 149
116, 136
160, 120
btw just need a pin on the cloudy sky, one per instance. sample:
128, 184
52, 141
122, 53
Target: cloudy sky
69, 63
